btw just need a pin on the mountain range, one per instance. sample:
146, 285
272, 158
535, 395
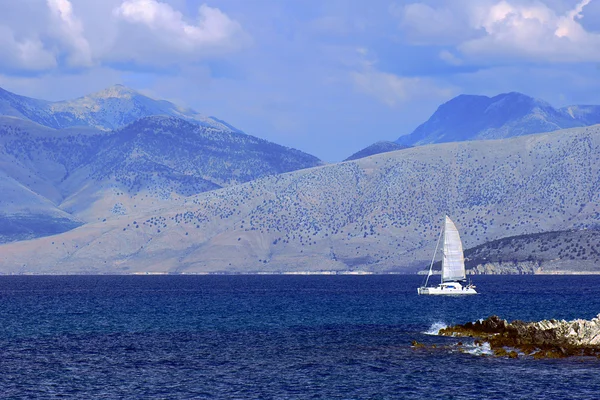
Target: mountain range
380, 214
117, 152
116, 182
109, 109
469, 117
475, 117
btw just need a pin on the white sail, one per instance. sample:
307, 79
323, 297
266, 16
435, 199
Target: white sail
453, 261
453, 265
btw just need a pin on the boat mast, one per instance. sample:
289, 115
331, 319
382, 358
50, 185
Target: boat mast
433, 258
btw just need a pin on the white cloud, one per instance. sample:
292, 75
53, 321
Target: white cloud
450, 58
69, 30
213, 32
26, 53
391, 89
37, 35
49, 35
53, 85
394, 90
424, 24
505, 30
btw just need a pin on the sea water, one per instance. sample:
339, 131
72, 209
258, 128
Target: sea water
278, 337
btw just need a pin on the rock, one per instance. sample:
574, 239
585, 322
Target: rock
542, 339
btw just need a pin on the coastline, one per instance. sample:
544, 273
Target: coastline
302, 273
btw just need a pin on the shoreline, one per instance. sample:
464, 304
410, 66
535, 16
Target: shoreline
301, 273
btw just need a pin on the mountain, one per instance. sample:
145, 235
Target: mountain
379, 214
469, 117
376, 148
34, 160
164, 159
92, 174
546, 252
109, 109
25, 214
51, 171
588, 115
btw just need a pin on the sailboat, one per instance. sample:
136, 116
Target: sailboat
453, 265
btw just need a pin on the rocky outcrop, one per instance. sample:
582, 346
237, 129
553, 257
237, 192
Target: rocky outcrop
506, 268
547, 338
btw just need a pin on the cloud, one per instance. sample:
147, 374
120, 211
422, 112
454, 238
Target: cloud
69, 31
424, 24
504, 31
392, 89
26, 54
34, 36
37, 36
450, 58
214, 32
53, 85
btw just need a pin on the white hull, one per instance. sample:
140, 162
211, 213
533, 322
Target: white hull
448, 289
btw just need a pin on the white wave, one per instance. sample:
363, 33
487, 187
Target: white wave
435, 328
483, 349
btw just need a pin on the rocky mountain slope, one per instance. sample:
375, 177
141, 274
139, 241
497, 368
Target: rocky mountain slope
93, 174
33, 162
376, 148
63, 176
538, 253
380, 213
111, 108
468, 117
163, 159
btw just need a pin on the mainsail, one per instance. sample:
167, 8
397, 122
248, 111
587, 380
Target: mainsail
453, 261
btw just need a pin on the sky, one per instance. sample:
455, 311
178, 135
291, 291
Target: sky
328, 77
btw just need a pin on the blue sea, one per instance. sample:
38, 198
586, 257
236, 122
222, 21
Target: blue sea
277, 337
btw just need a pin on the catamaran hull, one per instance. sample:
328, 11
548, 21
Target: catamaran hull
442, 292
447, 290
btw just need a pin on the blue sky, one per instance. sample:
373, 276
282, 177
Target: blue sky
328, 77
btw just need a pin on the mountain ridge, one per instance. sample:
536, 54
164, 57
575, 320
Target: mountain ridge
475, 117
375, 214
376, 148
108, 109
86, 173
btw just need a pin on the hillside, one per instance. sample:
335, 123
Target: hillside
64, 177
469, 117
376, 148
33, 162
163, 159
546, 252
26, 215
94, 174
380, 213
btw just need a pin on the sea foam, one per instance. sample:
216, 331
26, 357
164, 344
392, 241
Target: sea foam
483, 349
435, 328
